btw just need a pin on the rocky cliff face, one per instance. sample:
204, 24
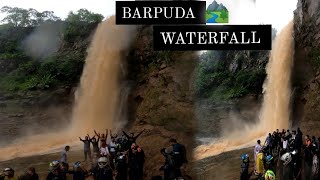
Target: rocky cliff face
161, 98
306, 79
163, 102
163, 84
246, 60
307, 23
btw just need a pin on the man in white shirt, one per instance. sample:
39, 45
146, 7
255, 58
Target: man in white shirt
256, 151
315, 166
64, 156
104, 152
285, 144
113, 147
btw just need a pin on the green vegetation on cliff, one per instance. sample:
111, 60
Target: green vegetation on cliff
26, 65
223, 75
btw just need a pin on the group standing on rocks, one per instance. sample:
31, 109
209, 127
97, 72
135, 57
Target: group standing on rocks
120, 159
285, 155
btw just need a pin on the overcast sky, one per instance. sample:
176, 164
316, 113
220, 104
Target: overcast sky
275, 12
61, 8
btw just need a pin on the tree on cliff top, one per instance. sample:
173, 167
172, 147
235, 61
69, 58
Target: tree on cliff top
84, 15
78, 24
20, 17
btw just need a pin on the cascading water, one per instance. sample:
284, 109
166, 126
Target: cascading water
98, 97
98, 104
275, 110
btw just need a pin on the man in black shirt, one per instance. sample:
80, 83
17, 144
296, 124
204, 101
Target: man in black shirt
103, 170
30, 175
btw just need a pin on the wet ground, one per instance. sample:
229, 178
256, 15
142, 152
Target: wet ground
223, 166
18, 121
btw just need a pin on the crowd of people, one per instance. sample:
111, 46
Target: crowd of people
284, 154
120, 159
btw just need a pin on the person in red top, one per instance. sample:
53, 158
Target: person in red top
136, 162
308, 141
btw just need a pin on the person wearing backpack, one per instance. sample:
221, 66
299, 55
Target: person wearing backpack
179, 152
169, 167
